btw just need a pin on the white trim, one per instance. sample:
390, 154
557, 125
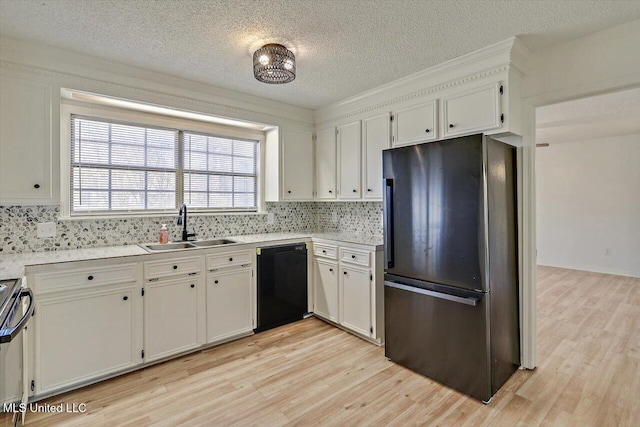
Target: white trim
69, 108
592, 269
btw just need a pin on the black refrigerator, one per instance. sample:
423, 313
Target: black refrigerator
451, 262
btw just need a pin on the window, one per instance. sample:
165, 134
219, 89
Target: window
126, 167
219, 172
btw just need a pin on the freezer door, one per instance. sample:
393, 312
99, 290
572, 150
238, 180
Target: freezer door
434, 212
442, 336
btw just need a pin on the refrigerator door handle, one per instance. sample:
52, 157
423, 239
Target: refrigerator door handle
453, 298
388, 225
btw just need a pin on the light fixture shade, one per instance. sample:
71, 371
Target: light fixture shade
274, 63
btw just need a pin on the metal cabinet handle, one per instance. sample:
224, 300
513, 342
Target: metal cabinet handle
90, 278
36, 186
355, 191
427, 130
353, 257
450, 126
175, 267
125, 298
330, 191
344, 272
193, 286
230, 259
331, 270
215, 281
324, 252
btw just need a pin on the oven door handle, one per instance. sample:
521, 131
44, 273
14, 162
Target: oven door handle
9, 334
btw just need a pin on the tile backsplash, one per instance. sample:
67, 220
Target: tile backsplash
18, 225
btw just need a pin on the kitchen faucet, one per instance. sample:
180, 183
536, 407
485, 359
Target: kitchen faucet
182, 220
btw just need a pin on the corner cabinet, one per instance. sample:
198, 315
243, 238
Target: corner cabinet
474, 110
88, 324
289, 165
349, 154
25, 139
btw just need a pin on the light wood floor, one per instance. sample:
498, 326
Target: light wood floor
310, 373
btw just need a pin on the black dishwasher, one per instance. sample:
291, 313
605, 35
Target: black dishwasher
282, 285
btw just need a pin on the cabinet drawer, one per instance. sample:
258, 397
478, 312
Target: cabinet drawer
86, 277
327, 251
355, 256
228, 259
172, 267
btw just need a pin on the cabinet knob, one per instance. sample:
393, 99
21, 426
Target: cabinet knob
344, 272
324, 252
36, 186
331, 270
193, 286
330, 191
289, 191
355, 191
353, 257
175, 267
215, 281
90, 278
450, 126
427, 130
230, 259
125, 298
369, 190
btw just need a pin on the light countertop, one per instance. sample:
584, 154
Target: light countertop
13, 265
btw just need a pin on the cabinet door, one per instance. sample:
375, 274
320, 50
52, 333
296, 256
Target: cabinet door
25, 138
297, 165
229, 301
170, 317
326, 164
415, 124
376, 138
355, 297
86, 335
473, 111
349, 157
325, 289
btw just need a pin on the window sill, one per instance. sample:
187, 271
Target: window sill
155, 215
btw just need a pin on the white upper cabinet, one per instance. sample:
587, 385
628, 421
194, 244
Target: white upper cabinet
349, 154
326, 163
25, 142
415, 124
471, 111
376, 138
297, 165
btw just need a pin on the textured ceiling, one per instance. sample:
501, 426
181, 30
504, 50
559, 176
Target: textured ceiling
343, 47
594, 117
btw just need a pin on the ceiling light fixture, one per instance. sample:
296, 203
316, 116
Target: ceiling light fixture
274, 63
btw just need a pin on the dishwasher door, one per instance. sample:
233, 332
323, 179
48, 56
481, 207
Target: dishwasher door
282, 285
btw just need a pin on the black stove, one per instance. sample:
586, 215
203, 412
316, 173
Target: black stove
12, 317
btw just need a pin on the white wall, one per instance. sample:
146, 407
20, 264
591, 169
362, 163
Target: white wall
588, 201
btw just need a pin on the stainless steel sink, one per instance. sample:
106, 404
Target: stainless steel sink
212, 242
155, 247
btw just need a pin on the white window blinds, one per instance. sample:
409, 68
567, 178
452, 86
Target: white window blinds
122, 167
220, 172
129, 167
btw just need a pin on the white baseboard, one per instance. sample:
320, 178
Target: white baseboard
592, 269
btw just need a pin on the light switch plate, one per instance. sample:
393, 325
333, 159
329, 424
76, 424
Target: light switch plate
271, 218
46, 229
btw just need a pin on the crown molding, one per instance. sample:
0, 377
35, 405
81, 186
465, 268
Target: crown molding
70, 67
507, 55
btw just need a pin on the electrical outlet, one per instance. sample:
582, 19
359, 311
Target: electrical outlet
46, 229
334, 216
271, 218
607, 251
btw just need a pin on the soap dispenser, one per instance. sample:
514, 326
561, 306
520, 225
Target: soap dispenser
164, 234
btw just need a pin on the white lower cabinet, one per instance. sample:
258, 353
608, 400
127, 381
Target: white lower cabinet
325, 279
172, 317
348, 287
86, 334
229, 304
355, 295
